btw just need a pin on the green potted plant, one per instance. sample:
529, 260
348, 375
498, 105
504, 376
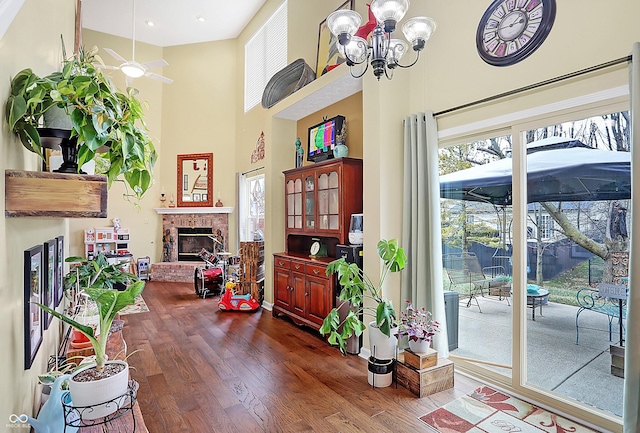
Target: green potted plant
103, 380
418, 326
356, 286
106, 124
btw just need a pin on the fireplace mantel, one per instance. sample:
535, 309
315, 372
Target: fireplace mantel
193, 210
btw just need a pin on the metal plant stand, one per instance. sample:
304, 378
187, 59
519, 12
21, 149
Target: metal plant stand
76, 416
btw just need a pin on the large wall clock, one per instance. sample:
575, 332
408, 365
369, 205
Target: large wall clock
511, 30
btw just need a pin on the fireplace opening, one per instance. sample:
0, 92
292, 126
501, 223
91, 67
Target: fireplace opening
191, 241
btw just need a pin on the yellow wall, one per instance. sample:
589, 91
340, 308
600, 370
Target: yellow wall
32, 40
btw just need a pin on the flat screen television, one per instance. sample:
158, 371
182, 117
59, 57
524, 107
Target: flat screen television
322, 139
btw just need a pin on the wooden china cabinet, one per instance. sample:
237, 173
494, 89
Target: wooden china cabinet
319, 201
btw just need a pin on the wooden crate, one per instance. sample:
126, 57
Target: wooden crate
426, 381
55, 195
420, 361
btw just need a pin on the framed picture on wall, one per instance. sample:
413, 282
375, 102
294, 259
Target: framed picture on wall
33, 292
328, 45
59, 292
49, 268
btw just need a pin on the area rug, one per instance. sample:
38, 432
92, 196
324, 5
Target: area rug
138, 307
486, 410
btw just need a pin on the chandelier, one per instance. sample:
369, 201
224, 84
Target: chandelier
382, 51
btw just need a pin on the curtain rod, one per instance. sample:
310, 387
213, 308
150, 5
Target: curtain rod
536, 85
251, 171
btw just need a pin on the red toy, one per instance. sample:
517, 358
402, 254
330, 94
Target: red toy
232, 302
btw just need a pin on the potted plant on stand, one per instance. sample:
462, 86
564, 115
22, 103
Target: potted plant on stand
418, 326
104, 380
357, 289
105, 123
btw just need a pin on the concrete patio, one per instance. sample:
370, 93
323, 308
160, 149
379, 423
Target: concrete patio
555, 362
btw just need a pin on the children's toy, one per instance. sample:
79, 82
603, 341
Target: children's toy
232, 302
209, 280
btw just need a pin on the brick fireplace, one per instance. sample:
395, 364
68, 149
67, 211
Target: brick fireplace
173, 220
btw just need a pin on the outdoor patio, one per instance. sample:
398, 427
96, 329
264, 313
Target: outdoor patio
581, 372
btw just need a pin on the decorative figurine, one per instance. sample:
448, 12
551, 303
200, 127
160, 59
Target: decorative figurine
163, 199
299, 153
116, 224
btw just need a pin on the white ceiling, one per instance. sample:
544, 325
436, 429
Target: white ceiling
176, 21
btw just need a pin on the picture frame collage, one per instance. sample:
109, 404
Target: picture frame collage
44, 284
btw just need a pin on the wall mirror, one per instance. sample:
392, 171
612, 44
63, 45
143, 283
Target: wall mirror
195, 180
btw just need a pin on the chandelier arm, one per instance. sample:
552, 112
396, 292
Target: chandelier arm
386, 73
350, 61
410, 65
363, 72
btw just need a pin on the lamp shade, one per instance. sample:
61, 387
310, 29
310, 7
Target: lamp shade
418, 29
132, 70
355, 51
389, 10
397, 48
343, 21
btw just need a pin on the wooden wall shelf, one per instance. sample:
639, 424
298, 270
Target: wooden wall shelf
54, 195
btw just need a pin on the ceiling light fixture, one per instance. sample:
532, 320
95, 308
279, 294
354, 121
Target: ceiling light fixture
383, 52
201, 19
150, 23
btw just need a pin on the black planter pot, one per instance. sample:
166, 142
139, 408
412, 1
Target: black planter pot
53, 138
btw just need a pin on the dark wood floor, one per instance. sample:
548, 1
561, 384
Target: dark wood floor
204, 370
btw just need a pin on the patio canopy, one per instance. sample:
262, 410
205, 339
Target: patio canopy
557, 170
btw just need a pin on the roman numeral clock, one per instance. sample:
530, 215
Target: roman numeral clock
511, 30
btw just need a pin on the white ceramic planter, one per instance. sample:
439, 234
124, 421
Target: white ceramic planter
381, 346
419, 346
101, 393
383, 350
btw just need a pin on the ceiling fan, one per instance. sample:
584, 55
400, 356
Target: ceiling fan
133, 69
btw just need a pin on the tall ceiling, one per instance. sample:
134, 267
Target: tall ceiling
176, 22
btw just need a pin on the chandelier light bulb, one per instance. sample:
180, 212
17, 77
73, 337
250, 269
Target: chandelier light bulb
397, 48
418, 30
355, 51
343, 24
389, 12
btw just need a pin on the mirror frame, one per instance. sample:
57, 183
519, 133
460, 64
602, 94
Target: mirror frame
179, 185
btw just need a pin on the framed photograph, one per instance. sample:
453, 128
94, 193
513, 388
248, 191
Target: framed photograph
59, 293
33, 292
327, 45
49, 288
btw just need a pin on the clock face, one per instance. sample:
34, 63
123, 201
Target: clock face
511, 30
315, 248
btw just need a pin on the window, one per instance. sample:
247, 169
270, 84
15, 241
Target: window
251, 207
264, 55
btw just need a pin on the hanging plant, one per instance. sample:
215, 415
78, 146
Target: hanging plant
108, 125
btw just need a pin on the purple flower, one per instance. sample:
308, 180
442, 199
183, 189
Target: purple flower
417, 324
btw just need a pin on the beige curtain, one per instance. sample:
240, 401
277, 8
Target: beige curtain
631, 412
421, 228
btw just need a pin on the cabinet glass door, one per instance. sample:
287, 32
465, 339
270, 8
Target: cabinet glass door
294, 204
323, 201
328, 201
309, 202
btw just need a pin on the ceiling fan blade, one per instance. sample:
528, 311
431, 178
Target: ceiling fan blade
107, 67
156, 64
115, 55
158, 77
